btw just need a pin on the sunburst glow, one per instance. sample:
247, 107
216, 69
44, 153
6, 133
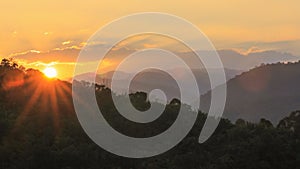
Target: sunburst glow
50, 72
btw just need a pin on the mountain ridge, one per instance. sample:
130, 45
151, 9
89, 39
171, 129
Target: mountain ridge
269, 91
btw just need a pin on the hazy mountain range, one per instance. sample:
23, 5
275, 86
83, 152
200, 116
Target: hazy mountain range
152, 79
269, 91
244, 61
232, 59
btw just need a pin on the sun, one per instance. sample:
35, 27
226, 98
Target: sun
50, 72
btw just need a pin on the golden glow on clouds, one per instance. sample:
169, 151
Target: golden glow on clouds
41, 26
33, 24
66, 42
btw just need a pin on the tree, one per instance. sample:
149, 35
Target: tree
265, 123
240, 122
9, 63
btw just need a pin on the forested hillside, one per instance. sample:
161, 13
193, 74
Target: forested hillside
270, 91
39, 130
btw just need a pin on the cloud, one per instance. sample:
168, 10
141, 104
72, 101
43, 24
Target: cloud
39, 63
146, 41
66, 42
291, 46
68, 54
25, 53
253, 49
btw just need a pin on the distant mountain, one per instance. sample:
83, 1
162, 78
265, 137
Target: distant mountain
232, 59
269, 91
89, 77
152, 79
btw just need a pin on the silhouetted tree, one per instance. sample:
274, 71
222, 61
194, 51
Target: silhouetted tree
265, 123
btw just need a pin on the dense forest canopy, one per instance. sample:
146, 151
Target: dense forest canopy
39, 129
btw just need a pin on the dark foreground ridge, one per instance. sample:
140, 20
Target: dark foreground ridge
39, 130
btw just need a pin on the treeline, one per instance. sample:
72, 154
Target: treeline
39, 130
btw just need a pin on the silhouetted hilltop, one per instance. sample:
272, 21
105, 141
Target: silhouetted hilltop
269, 91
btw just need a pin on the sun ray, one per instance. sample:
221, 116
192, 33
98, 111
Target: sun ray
64, 92
28, 107
52, 96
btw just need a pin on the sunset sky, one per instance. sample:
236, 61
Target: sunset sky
52, 32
